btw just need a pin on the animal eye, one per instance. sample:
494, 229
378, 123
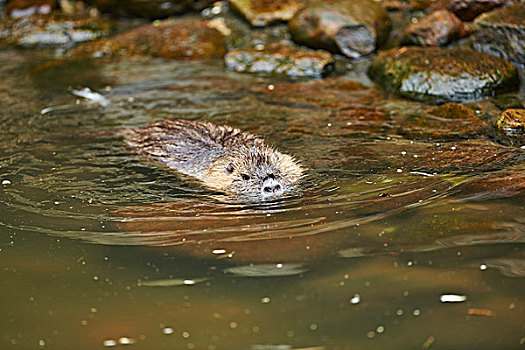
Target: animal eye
245, 177
230, 168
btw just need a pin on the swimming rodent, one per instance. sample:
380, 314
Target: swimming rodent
222, 157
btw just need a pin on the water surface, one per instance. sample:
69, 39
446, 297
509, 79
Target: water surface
100, 247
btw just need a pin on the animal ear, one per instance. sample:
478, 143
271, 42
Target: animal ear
230, 168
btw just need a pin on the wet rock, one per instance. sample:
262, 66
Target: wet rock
344, 123
467, 10
448, 122
442, 75
403, 5
502, 33
21, 8
506, 183
152, 9
506, 102
184, 38
437, 29
466, 157
512, 122
280, 59
52, 30
336, 94
354, 28
261, 13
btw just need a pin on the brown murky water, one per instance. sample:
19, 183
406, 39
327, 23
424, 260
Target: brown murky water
100, 248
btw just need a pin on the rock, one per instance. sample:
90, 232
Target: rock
52, 30
344, 123
437, 29
463, 158
336, 94
467, 10
442, 75
152, 9
261, 13
354, 28
502, 33
403, 5
184, 38
22, 8
280, 59
448, 122
512, 122
501, 184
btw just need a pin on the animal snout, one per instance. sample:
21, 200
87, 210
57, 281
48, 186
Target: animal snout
272, 187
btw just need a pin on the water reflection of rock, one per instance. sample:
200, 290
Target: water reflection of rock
296, 230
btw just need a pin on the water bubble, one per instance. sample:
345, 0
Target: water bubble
265, 300
313, 326
167, 330
126, 341
6, 182
356, 299
380, 329
109, 343
452, 298
483, 267
399, 312
416, 312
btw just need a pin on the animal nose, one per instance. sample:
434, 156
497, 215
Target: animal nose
272, 187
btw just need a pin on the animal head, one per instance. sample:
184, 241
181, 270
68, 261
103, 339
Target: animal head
256, 171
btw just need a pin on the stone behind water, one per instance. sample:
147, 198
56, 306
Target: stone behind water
443, 75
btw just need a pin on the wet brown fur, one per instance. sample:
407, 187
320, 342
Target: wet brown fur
208, 152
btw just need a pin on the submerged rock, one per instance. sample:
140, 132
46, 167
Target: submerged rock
437, 29
52, 30
502, 33
467, 10
344, 123
21, 8
261, 13
151, 9
280, 59
464, 157
330, 93
442, 75
512, 122
178, 38
448, 122
506, 183
354, 28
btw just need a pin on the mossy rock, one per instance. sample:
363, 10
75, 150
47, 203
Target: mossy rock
281, 59
502, 33
184, 39
512, 122
443, 75
449, 122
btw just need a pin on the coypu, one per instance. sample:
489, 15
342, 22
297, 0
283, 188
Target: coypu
223, 158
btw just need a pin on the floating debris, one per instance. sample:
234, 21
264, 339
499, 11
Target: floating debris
90, 95
480, 312
452, 298
171, 282
267, 270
